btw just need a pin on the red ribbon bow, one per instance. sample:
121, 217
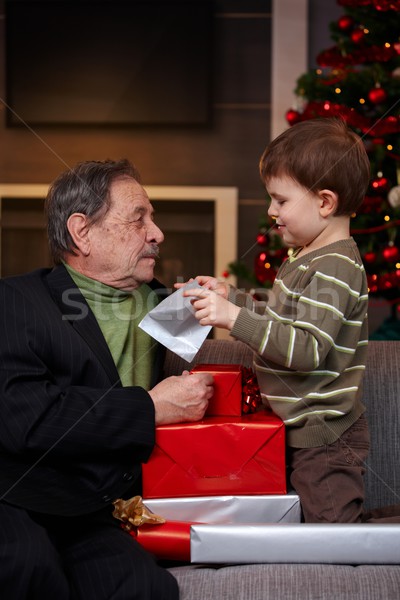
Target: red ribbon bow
251, 397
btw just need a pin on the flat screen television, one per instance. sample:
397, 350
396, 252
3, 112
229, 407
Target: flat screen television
108, 62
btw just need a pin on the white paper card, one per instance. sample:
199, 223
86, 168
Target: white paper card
173, 324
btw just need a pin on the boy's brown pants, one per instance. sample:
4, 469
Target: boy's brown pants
329, 479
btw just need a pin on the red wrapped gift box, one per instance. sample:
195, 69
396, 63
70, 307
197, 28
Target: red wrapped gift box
227, 398
235, 390
218, 456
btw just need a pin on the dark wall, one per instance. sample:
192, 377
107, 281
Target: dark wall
225, 153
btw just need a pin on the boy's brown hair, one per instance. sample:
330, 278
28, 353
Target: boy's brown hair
321, 154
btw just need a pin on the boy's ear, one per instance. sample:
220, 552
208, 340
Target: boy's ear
328, 202
78, 229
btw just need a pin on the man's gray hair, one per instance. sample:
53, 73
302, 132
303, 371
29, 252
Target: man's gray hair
84, 189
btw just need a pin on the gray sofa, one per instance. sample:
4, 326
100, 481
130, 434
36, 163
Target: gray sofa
315, 581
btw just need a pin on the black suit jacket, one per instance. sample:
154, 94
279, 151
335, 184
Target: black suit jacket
72, 439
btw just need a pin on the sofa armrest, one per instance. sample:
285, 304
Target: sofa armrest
381, 396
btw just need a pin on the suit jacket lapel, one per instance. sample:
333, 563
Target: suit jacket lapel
159, 358
75, 309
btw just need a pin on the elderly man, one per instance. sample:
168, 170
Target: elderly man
80, 395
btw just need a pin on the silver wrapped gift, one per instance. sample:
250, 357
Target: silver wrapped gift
229, 509
331, 543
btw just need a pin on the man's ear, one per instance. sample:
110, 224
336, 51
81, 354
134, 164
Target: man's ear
78, 228
328, 202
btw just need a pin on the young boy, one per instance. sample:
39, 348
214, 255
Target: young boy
310, 338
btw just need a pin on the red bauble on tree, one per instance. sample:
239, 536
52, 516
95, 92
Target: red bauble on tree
293, 116
262, 239
377, 95
345, 23
380, 184
263, 269
391, 253
369, 257
357, 35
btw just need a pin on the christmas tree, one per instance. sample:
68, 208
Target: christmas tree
358, 80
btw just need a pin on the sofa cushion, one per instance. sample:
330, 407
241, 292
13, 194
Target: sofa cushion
300, 581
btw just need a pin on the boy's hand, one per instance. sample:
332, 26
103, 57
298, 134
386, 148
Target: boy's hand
209, 283
212, 308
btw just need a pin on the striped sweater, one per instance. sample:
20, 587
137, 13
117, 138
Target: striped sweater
310, 341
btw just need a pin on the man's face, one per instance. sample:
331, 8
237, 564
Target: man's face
124, 244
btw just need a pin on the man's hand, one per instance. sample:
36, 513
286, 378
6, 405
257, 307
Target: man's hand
182, 398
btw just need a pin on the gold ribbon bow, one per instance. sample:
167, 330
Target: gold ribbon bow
133, 513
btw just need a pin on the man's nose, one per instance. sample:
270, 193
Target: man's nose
154, 234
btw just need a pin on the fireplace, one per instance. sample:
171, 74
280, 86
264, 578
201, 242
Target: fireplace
199, 223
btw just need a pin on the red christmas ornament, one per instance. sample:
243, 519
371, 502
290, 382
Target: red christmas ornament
380, 184
262, 239
225, 274
293, 117
391, 253
345, 23
377, 95
369, 257
263, 269
357, 36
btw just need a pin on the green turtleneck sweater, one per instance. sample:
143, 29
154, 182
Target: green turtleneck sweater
118, 314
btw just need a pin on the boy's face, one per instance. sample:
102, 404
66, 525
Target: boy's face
296, 211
